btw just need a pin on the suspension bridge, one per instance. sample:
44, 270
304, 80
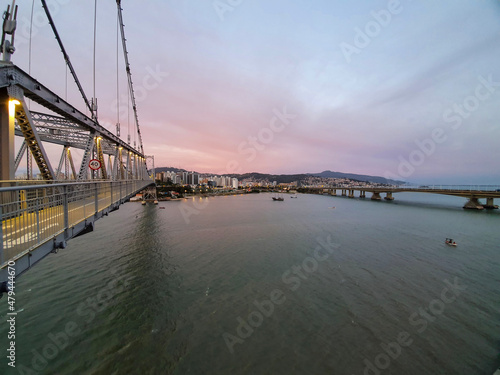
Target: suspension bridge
39, 215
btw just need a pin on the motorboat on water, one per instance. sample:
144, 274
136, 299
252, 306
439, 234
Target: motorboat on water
450, 242
278, 198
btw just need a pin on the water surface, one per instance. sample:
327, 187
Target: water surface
165, 291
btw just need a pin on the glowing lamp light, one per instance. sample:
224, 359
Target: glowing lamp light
12, 107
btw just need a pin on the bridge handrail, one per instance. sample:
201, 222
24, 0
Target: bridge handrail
451, 187
59, 184
37, 218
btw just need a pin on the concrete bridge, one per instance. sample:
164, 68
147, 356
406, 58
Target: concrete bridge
473, 193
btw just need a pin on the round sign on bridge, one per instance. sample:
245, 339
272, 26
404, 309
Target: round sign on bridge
95, 164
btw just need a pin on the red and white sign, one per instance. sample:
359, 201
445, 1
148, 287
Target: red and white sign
95, 164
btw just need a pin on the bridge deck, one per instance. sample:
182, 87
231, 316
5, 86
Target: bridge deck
37, 220
470, 192
455, 192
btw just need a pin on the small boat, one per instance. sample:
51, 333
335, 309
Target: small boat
161, 208
278, 198
450, 242
143, 203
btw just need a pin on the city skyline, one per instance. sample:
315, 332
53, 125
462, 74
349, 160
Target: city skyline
397, 89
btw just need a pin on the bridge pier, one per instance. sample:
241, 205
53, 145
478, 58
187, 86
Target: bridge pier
473, 204
376, 196
489, 204
362, 194
334, 192
344, 192
351, 193
389, 196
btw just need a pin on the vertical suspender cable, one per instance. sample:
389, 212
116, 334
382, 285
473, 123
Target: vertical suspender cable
31, 29
29, 164
66, 85
117, 78
94, 99
128, 117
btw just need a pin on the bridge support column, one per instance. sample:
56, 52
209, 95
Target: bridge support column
344, 193
334, 192
473, 204
376, 196
489, 204
351, 193
389, 196
362, 194
7, 148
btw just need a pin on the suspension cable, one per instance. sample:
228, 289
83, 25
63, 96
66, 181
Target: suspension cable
117, 77
66, 57
129, 74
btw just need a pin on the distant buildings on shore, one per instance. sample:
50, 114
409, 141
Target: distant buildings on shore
213, 181
195, 179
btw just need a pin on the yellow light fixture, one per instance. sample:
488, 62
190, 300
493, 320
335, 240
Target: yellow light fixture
12, 107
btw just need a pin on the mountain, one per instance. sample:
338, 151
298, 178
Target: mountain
286, 178
168, 169
359, 177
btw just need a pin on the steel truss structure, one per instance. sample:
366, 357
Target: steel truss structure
67, 127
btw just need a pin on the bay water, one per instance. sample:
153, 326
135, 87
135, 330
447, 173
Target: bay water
245, 285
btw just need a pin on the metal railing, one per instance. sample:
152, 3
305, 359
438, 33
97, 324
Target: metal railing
451, 187
33, 215
493, 188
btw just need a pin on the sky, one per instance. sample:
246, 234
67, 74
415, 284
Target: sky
402, 89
